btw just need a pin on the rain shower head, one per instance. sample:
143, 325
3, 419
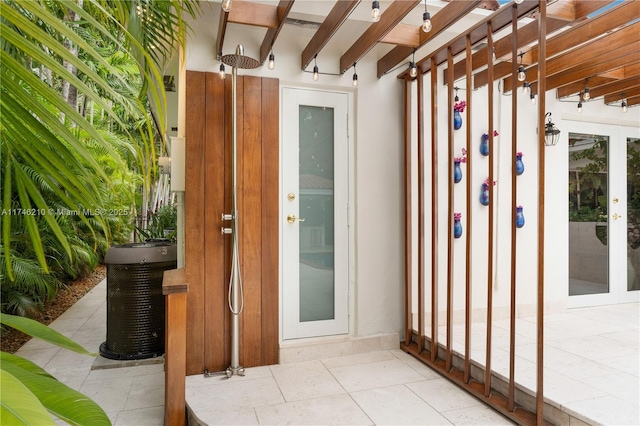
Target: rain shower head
238, 60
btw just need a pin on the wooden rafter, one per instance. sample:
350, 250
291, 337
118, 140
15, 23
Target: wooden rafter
616, 86
626, 38
499, 19
256, 14
575, 88
328, 28
445, 18
222, 29
618, 96
283, 9
584, 32
403, 35
376, 32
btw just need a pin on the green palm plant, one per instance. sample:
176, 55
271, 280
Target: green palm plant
49, 149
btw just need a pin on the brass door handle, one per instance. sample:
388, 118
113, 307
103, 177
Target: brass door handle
292, 218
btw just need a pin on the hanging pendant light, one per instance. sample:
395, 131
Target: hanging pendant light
532, 98
426, 19
222, 72
623, 104
375, 11
526, 87
586, 96
580, 106
522, 75
272, 60
355, 76
551, 132
413, 69
315, 68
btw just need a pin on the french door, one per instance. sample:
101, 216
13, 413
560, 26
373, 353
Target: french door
604, 214
313, 206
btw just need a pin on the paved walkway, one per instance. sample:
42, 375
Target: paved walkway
591, 369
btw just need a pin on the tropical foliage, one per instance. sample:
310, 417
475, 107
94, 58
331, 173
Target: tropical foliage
83, 119
30, 396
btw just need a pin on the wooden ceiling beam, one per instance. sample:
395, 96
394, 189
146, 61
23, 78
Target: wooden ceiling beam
586, 52
614, 87
445, 18
499, 20
564, 10
222, 30
580, 73
283, 9
255, 14
619, 96
577, 87
340, 12
585, 31
633, 101
376, 32
403, 35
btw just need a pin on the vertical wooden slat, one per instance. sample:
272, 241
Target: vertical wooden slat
434, 210
228, 172
408, 217
514, 198
421, 239
270, 223
542, 78
449, 218
251, 220
194, 214
468, 240
490, 231
214, 279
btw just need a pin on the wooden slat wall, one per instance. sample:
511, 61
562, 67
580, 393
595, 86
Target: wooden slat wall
208, 195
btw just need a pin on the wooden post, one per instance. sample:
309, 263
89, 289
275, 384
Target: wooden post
175, 288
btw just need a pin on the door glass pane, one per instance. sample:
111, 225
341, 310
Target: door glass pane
588, 242
633, 214
316, 207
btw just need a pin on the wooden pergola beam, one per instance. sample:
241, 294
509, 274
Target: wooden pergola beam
577, 87
328, 28
376, 32
499, 19
612, 87
283, 9
403, 35
618, 96
633, 101
255, 14
222, 29
588, 52
581, 33
445, 18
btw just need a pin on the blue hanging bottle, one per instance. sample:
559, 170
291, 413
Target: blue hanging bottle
519, 217
519, 165
457, 120
484, 145
457, 172
457, 228
484, 194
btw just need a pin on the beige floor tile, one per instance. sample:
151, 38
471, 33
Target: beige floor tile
305, 380
153, 416
375, 375
397, 405
478, 415
329, 410
443, 395
234, 395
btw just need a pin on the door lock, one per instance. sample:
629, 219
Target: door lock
292, 218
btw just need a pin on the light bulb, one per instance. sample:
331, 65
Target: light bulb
355, 80
522, 76
226, 5
426, 22
375, 11
315, 73
586, 95
525, 88
532, 97
580, 107
272, 61
413, 69
624, 106
222, 73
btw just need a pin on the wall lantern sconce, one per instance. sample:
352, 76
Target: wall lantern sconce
551, 132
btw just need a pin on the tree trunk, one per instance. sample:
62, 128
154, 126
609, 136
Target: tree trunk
70, 92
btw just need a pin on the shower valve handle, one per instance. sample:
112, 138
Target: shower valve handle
292, 218
224, 230
226, 216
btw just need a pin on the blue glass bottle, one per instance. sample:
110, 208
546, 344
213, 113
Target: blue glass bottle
457, 172
484, 195
519, 165
519, 217
484, 145
457, 120
457, 228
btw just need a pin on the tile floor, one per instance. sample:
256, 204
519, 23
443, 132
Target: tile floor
592, 362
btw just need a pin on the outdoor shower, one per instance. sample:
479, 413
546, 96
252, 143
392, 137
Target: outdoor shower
236, 296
